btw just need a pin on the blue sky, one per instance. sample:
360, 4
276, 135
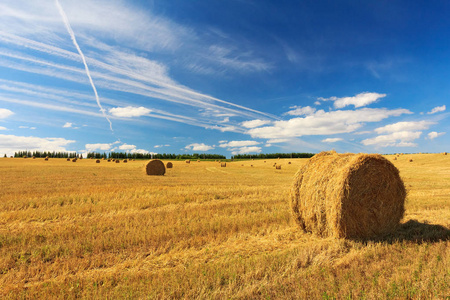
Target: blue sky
224, 77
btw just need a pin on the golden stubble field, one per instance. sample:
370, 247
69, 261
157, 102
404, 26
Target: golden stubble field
71, 230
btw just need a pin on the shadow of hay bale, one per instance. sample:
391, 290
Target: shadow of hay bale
416, 232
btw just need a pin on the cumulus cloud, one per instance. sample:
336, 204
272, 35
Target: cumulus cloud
127, 147
129, 111
238, 144
332, 140
437, 109
432, 135
324, 123
198, 147
395, 139
362, 99
246, 150
12, 143
67, 125
3, 128
98, 146
4, 113
301, 111
255, 123
405, 126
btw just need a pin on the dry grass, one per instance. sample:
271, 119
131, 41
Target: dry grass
107, 231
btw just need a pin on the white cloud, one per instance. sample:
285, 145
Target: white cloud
362, 99
12, 143
432, 135
255, 123
276, 141
233, 144
129, 111
27, 127
245, 150
3, 128
317, 103
301, 111
324, 123
332, 140
127, 147
405, 126
160, 146
395, 139
94, 147
67, 125
437, 109
4, 113
198, 147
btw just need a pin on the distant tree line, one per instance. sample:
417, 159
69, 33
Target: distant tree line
272, 155
123, 155
46, 153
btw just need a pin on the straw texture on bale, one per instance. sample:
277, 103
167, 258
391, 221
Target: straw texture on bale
169, 165
223, 165
97, 161
155, 167
348, 195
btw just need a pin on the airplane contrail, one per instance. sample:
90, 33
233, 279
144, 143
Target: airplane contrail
74, 40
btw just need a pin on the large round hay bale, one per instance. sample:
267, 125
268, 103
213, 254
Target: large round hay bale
223, 165
348, 195
169, 165
155, 167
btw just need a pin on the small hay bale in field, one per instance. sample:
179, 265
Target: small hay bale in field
68, 159
289, 163
24, 156
410, 160
125, 161
188, 161
155, 167
74, 160
169, 165
251, 166
445, 153
117, 161
46, 158
198, 160
395, 158
97, 161
348, 195
278, 167
223, 165
108, 160
34, 157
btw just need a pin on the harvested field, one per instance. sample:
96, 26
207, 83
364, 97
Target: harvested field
89, 230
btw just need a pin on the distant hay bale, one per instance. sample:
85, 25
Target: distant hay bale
410, 160
24, 156
68, 159
108, 160
125, 161
348, 195
103, 158
117, 161
188, 161
289, 163
445, 153
278, 167
97, 161
251, 166
46, 158
74, 160
198, 160
34, 157
223, 165
169, 165
155, 167
395, 158
264, 161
